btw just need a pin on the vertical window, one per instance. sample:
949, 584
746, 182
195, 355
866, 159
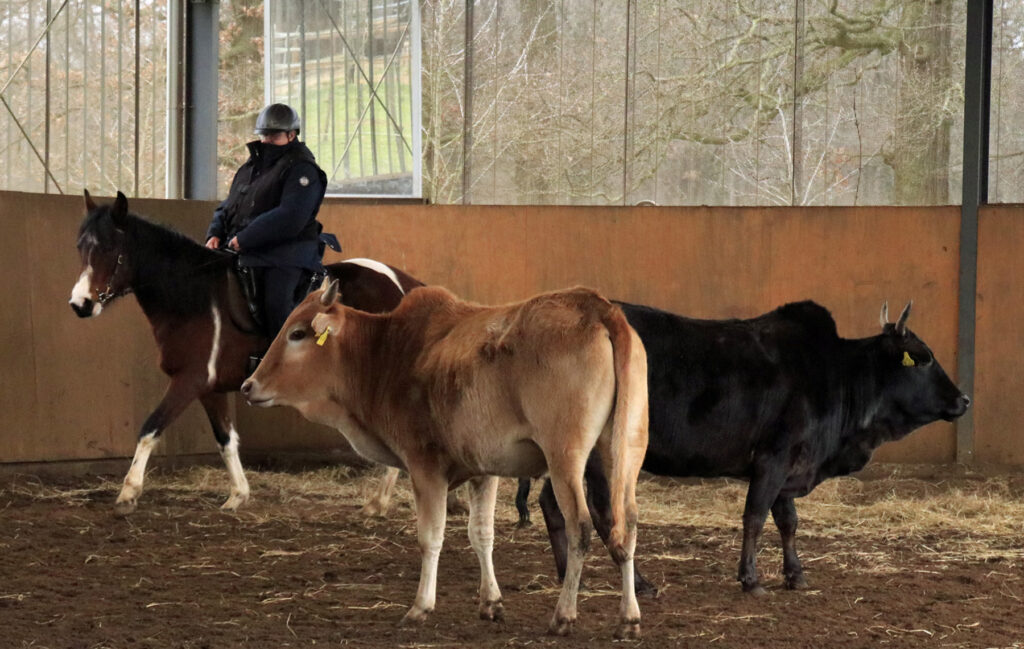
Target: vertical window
351, 70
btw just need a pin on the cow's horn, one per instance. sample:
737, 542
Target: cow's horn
901, 322
330, 293
883, 317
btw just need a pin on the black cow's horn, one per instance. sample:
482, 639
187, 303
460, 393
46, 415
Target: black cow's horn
884, 316
901, 322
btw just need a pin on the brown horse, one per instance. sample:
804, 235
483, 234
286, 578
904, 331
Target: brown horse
203, 329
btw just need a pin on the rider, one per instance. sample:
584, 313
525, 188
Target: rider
269, 216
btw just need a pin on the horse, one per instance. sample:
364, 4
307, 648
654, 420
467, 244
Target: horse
200, 319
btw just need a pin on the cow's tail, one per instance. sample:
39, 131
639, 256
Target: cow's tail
624, 452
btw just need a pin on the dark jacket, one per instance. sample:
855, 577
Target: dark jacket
272, 206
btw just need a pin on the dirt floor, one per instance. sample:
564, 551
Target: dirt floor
893, 561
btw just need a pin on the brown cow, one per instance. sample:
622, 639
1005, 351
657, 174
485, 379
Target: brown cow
455, 392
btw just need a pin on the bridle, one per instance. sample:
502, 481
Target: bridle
108, 294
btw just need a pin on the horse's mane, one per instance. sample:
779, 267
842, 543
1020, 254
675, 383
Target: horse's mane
172, 274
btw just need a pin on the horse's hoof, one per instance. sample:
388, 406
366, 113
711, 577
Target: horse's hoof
493, 611
414, 616
797, 582
755, 590
629, 630
561, 626
234, 502
125, 507
372, 510
457, 508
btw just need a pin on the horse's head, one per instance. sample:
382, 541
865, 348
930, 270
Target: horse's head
101, 245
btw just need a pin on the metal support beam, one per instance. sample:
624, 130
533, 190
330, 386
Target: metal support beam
201, 27
977, 90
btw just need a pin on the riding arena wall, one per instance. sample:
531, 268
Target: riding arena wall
73, 392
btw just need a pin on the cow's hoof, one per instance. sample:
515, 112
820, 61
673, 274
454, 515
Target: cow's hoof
493, 611
796, 582
524, 523
644, 588
234, 502
125, 507
755, 590
415, 616
629, 630
561, 626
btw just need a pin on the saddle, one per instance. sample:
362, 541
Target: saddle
246, 303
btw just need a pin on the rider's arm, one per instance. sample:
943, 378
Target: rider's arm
216, 228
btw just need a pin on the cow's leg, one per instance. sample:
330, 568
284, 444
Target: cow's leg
176, 397
567, 482
555, 524
483, 493
216, 406
599, 502
522, 504
429, 489
377, 505
618, 470
784, 513
764, 489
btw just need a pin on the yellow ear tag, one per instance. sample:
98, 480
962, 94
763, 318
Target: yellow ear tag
907, 360
322, 338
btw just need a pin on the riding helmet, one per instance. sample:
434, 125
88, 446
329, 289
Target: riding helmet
277, 117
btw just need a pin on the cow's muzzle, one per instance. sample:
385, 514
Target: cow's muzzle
963, 402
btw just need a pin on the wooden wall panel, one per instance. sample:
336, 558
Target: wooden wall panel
999, 372
81, 388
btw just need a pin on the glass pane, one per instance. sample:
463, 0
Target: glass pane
78, 113
1006, 142
347, 67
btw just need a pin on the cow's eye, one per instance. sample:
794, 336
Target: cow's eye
297, 334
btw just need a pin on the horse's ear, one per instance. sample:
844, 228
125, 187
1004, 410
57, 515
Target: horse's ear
90, 205
330, 295
119, 213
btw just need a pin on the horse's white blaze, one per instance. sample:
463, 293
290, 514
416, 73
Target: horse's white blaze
81, 292
239, 485
375, 265
211, 364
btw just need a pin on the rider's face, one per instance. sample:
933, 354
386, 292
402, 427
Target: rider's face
277, 138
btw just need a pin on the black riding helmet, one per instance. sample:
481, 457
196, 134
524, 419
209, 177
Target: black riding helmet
275, 118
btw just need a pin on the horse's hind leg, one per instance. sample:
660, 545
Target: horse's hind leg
216, 406
177, 396
378, 503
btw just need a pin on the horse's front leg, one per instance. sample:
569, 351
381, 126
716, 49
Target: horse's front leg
216, 406
178, 395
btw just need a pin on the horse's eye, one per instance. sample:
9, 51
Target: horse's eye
297, 334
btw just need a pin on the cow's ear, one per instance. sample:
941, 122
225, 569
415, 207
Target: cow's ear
901, 322
119, 213
883, 317
330, 294
90, 205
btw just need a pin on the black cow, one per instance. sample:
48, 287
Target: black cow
779, 400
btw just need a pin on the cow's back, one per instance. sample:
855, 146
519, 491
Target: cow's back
478, 368
720, 388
